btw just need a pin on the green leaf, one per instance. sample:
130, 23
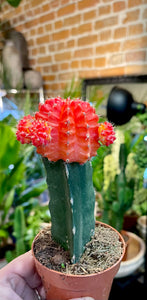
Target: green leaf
8, 203
3, 233
33, 191
14, 3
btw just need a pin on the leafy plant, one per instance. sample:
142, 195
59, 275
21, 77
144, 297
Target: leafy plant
73, 90
14, 3
118, 197
18, 172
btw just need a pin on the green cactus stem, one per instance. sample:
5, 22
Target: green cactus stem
72, 202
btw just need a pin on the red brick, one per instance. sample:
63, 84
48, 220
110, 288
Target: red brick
116, 59
103, 10
36, 2
44, 59
32, 23
135, 44
66, 75
132, 3
117, 71
34, 51
89, 15
105, 35
48, 27
61, 46
45, 8
70, 43
30, 42
107, 48
75, 64
65, 10
120, 33
58, 24
136, 69
111, 21
41, 50
87, 41
135, 56
62, 56
83, 52
72, 20
89, 73
48, 17
60, 35
135, 29
49, 77
118, 6
131, 16
55, 68
87, 3
87, 27
100, 62
43, 39
63, 2
86, 63
40, 30
64, 66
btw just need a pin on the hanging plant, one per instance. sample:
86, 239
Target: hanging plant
14, 3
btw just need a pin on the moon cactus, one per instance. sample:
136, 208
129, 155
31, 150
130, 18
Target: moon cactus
67, 134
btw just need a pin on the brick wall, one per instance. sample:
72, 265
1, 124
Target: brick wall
82, 38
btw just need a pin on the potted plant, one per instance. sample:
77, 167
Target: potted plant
67, 134
123, 180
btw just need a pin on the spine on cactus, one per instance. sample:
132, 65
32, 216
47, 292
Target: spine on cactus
67, 134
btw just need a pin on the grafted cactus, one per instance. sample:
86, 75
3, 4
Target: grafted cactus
67, 134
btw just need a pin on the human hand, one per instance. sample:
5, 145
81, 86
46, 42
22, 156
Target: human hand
19, 280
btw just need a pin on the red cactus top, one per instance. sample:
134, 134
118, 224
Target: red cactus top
65, 129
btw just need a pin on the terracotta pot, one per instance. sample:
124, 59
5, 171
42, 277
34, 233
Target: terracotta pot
126, 239
59, 286
142, 226
134, 257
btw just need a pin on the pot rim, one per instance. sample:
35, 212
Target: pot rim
87, 275
141, 252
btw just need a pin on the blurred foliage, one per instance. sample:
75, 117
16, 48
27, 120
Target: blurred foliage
22, 181
118, 178
14, 3
73, 90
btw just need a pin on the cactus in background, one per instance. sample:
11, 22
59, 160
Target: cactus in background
67, 134
118, 197
19, 234
19, 230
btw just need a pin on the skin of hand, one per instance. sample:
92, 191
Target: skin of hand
19, 280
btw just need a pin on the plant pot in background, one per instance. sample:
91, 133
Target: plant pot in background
59, 286
134, 256
142, 226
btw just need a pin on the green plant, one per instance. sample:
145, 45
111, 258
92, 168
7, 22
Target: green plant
11, 173
67, 134
20, 167
14, 3
73, 90
118, 197
19, 233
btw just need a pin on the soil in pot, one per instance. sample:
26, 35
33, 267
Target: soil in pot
103, 251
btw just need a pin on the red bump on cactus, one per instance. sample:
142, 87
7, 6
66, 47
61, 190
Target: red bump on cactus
33, 131
65, 129
106, 133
